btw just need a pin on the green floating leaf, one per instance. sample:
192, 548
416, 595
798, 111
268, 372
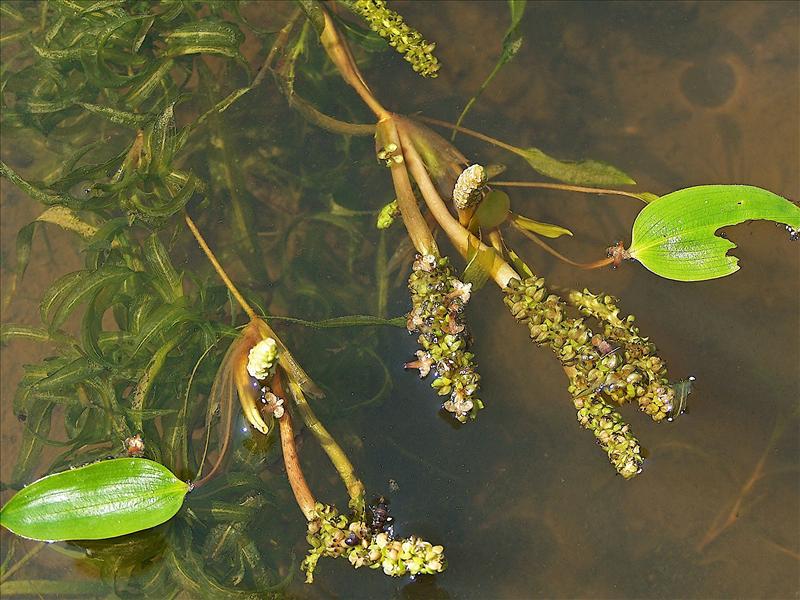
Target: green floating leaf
493, 210
98, 501
545, 229
674, 236
583, 172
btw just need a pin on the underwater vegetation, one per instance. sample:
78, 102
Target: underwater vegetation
172, 415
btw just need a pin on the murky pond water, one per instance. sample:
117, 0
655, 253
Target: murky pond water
676, 94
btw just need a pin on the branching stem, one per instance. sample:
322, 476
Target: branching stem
338, 458
460, 237
417, 228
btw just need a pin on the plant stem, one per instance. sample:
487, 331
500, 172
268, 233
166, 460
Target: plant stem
341, 56
565, 187
342, 464
472, 132
417, 228
536, 239
278, 44
21, 562
326, 122
460, 237
294, 472
218, 267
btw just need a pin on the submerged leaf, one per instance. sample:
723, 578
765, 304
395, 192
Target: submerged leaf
480, 261
674, 236
582, 172
545, 229
493, 210
682, 390
101, 500
205, 37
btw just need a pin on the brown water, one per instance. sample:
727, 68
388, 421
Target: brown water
526, 505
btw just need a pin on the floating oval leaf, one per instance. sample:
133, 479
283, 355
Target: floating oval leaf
101, 500
674, 236
492, 210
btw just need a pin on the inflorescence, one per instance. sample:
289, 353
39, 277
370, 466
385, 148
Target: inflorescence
469, 187
406, 40
614, 365
438, 299
333, 535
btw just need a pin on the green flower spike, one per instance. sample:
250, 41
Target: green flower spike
406, 40
438, 299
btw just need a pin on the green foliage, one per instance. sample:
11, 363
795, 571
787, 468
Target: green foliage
545, 229
493, 210
582, 172
101, 500
674, 236
119, 123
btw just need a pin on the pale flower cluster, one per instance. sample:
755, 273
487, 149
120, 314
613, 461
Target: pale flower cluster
262, 358
469, 187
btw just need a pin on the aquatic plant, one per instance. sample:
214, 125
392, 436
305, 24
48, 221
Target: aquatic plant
161, 350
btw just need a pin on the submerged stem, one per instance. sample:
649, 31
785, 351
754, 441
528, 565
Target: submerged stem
417, 228
476, 134
567, 188
294, 472
218, 267
537, 240
460, 237
337, 456
340, 55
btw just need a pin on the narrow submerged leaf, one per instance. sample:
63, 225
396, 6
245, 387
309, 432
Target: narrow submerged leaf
97, 501
582, 172
121, 117
37, 413
10, 330
84, 289
43, 195
545, 229
674, 236
479, 265
205, 37
682, 390
512, 42
157, 257
159, 141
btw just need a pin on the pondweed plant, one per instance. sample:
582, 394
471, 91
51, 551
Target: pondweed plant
135, 100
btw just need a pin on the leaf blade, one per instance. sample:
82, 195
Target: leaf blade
580, 172
97, 501
674, 236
